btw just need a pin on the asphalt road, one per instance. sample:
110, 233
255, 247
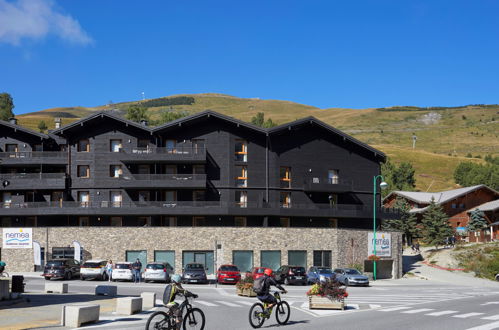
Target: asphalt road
395, 304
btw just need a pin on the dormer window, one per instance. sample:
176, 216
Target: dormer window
116, 145
84, 145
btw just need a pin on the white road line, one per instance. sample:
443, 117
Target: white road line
226, 303
421, 310
463, 316
490, 326
492, 318
441, 313
206, 303
245, 302
393, 309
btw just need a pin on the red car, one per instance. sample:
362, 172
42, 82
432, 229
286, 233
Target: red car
228, 274
257, 272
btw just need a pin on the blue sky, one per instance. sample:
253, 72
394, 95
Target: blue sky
353, 54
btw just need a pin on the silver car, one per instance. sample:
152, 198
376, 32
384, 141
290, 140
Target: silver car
351, 276
158, 271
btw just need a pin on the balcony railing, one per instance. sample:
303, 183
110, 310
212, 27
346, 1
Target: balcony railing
111, 204
32, 176
180, 149
33, 154
162, 177
327, 184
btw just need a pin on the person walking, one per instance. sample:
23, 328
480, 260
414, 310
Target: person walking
417, 247
109, 270
136, 266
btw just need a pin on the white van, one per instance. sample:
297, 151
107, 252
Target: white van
91, 269
122, 271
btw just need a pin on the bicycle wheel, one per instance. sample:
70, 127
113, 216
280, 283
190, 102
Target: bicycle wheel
157, 321
256, 317
282, 312
194, 319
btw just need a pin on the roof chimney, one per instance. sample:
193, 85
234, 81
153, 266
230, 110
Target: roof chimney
143, 122
57, 122
13, 121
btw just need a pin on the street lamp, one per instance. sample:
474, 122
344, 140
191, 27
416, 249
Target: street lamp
382, 185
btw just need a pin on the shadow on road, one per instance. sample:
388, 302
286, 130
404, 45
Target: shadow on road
39, 299
409, 263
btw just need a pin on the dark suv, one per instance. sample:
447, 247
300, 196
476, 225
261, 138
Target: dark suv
61, 268
194, 273
291, 275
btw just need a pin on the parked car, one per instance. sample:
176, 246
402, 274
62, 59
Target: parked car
257, 272
318, 274
291, 275
228, 274
93, 269
350, 276
61, 268
122, 271
497, 277
158, 271
194, 273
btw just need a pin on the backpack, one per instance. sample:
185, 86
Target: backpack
259, 285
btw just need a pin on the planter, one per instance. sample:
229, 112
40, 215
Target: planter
247, 292
239, 291
318, 302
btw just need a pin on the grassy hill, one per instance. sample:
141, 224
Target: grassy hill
445, 135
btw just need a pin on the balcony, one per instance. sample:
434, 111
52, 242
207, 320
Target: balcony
20, 181
333, 185
180, 153
38, 157
162, 181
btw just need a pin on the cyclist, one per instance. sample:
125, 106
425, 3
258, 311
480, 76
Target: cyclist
265, 296
2, 266
171, 292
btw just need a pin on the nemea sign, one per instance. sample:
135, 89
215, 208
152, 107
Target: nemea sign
17, 238
383, 244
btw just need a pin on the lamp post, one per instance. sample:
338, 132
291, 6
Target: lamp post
382, 185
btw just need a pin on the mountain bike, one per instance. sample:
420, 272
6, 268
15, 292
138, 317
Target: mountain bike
193, 318
259, 312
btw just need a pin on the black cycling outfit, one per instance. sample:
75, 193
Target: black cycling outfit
265, 296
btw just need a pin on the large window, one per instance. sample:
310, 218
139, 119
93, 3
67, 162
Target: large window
11, 148
285, 199
144, 196
132, 256
270, 259
170, 195
243, 260
285, 177
165, 256
198, 169
322, 258
84, 145
240, 221
241, 198
198, 221
116, 221
297, 258
198, 195
83, 221
241, 151
170, 169
64, 252
115, 171
203, 257
241, 176
171, 146
84, 198
333, 176
116, 145
116, 198
83, 171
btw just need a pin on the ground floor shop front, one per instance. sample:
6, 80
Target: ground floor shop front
245, 247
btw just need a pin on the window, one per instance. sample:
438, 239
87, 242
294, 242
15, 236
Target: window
115, 171
7, 199
83, 171
116, 198
322, 258
165, 256
333, 223
131, 256
198, 169
84, 198
240, 221
171, 169
270, 259
333, 176
116, 145
284, 222
285, 199
285, 177
116, 221
37, 147
11, 148
243, 260
171, 146
142, 143
198, 195
242, 198
83, 221
144, 196
169, 221
197, 221
170, 195
241, 176
30, 222
297, 258
241, 151
84, 145
333, 199
6, 222
197, 146
453, 205
144, 221
64, 252
144, 169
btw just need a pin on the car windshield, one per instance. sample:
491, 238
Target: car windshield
194, 267
298, 269
55, 263
91, 265
123, 266
229, 269
352, 272
259, 270
155, 266
325, 271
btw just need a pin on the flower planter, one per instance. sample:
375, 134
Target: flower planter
318, 302
239, 291
249, 292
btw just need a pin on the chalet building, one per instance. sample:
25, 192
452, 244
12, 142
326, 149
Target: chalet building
206, 188
458, 205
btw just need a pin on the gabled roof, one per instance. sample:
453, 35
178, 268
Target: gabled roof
489, 206
23, 129
96, 115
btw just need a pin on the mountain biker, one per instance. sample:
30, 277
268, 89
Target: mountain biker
265, 295
171, 292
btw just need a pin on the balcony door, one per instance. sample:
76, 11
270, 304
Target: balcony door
116, 198
84, 198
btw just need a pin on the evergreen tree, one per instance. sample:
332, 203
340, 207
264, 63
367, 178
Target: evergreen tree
477, 221
6, 106
436, 227
42, 126
137, 113
407, 223
168, 116
398, 178
259, 120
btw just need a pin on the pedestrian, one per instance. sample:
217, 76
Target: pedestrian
109, 269
453, 241
417, 247
413, 247
136, 266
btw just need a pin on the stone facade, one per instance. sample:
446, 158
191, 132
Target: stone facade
348, 246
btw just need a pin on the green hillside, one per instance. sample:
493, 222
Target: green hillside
445, 135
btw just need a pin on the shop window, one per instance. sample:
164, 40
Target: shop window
240, 221
115, 171
116, 145
83, 221
322, 258
333, 176
165, 256
203, 257
243, 260
297, 258
83, 171
84, 145
6, 222
241, 151
116, 222
241, 198
132, 256
64, 252
285, 199
241, 176
285, 177
270, 259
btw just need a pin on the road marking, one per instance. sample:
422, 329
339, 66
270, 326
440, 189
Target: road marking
490, 303
441, 313
490, 326
245, 302
492, 318
206, 303
414, 311
372, 306
463, 316
226, 303
393, 309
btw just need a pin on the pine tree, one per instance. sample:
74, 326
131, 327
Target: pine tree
436, 227
42, 126
477, 221
407, 223
137, 113
6, 106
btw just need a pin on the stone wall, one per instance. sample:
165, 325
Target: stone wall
347, 246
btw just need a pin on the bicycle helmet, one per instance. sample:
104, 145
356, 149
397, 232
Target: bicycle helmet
176, 278
268, 271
